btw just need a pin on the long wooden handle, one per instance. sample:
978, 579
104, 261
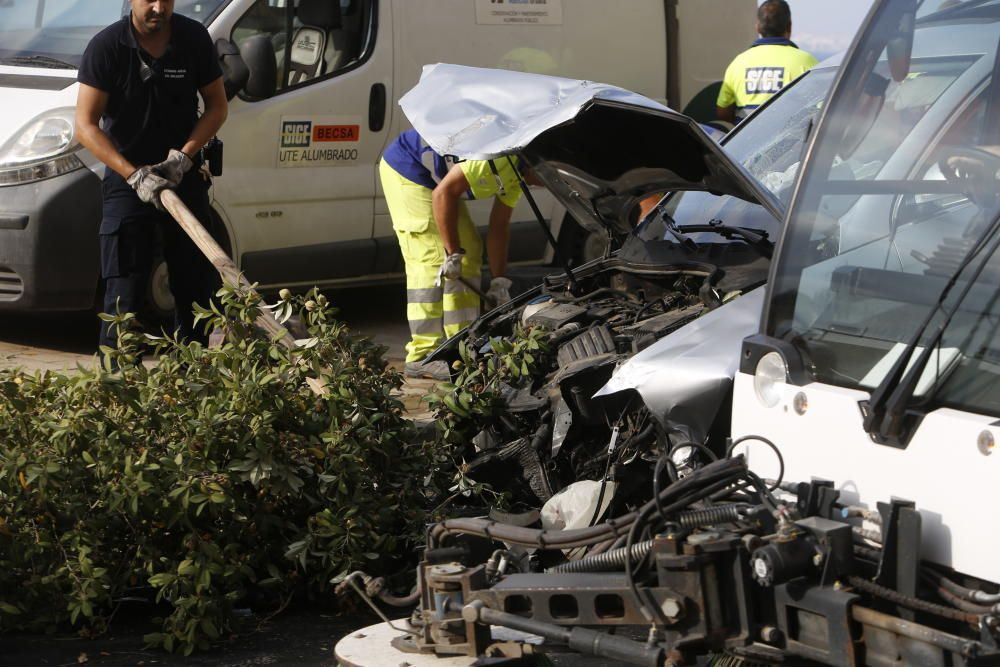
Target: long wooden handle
221, 261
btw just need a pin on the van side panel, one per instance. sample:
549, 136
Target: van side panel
710, 34
618, 43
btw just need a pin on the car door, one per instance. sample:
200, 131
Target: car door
298, 188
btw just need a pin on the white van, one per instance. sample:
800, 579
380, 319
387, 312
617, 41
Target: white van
299, 197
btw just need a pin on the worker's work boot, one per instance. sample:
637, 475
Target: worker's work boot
431, 370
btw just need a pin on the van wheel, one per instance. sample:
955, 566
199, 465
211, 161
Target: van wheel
159, 298
159, 310
579, 245
594, 246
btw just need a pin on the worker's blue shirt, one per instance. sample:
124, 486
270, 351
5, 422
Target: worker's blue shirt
152, 102
411, 157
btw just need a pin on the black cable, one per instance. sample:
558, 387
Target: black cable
657, 469
600, 496
629, 578
663, 442
774, 447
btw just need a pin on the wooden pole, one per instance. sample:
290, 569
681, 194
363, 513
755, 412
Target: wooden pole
221, 261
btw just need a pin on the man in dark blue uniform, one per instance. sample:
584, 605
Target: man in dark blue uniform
137, 112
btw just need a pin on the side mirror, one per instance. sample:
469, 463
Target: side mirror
261, 60
235, 72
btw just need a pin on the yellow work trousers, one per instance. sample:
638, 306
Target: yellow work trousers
434, 311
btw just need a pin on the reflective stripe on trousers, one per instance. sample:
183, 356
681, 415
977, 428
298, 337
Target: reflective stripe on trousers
433, 311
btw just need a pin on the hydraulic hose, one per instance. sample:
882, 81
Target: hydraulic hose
678, 495
971, 594
392, 600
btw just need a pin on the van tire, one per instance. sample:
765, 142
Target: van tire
579, 245
159, 308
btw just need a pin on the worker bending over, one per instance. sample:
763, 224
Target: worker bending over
440, 246
770, 64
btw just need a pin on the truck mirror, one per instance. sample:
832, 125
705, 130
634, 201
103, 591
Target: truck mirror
235, 72
260, 58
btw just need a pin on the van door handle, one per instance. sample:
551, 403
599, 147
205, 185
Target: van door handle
376, 108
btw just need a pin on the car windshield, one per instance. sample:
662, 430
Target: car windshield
769, 145
895, 204
54, 33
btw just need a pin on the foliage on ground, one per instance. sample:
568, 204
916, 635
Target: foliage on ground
216, 479
485, 379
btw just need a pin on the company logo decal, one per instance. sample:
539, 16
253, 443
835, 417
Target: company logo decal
336, 133
319, 141
296, 134
764, 80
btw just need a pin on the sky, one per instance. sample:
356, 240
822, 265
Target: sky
826, 27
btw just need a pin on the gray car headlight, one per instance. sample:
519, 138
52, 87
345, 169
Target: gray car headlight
44, 148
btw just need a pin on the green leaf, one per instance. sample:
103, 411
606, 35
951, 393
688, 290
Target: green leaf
8, 608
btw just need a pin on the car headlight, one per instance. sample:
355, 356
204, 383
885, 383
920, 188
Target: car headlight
44, 148
768, 378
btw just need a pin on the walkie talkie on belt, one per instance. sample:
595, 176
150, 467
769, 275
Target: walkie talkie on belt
212, 154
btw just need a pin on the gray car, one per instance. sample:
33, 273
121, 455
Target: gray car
643, 341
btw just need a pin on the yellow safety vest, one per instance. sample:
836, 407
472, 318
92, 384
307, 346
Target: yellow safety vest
760, 72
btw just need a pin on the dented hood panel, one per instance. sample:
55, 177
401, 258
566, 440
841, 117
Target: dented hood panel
598, 148
684, 377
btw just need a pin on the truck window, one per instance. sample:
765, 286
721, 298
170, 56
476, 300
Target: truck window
322, 38
897, 205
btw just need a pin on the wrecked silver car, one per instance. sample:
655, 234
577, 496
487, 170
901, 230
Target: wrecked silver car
641, 343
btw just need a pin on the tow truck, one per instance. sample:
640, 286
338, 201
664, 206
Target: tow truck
847, 520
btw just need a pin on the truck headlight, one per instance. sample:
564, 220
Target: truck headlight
768, 378
44, 148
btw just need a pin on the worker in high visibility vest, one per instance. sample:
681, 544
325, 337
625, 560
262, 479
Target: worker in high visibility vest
770, 64
441, 248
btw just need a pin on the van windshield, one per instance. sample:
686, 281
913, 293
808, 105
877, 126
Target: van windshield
54, 33
894, 223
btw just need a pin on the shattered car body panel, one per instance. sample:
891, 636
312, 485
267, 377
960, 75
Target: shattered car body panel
684, 267
683, 378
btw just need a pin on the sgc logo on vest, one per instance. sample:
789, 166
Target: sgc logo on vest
764, 80
296, 134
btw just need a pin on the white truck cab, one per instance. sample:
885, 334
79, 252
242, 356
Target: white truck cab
314, 108
878, 358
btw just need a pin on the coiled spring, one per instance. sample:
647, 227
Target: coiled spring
711, 516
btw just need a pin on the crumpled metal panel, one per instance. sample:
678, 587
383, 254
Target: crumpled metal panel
684, 377
491, 112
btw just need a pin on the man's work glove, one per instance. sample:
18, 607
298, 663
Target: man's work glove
452, 267
174, 167
148, 184
499, 292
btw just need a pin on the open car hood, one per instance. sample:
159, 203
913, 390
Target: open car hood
598, 148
